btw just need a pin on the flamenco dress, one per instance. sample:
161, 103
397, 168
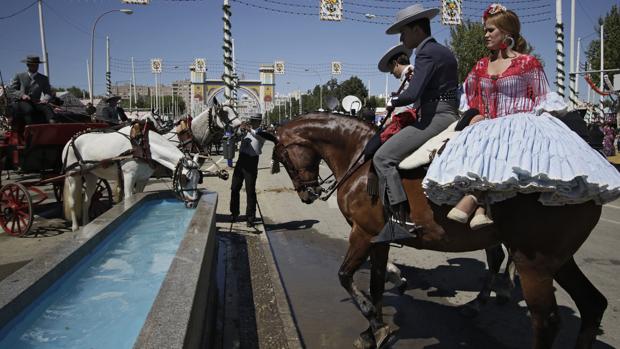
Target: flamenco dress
520, 147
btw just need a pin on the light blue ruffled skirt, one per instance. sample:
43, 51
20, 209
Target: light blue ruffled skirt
521, 153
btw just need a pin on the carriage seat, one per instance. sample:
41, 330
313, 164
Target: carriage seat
424, 155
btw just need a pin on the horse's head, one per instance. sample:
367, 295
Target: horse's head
301, 162
186, 178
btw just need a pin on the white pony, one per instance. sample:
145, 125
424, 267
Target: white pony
96, 147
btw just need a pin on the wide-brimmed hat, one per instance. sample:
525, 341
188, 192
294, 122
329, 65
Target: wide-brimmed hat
410, 14
384, 62
112, 98
32, 60
256, 117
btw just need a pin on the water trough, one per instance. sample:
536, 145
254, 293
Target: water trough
168, 303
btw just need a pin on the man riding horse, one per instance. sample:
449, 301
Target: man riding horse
433, 89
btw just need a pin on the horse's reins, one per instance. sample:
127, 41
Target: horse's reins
356, 164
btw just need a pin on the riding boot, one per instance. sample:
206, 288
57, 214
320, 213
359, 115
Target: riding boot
398, 227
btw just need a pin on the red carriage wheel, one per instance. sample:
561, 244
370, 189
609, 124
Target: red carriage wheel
16, 214
102, 200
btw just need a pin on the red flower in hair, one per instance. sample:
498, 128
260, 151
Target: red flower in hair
493, 9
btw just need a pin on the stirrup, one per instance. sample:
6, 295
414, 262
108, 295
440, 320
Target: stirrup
393, 231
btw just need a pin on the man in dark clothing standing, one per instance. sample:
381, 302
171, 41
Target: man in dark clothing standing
32, 91
433, 90
246, 168
112, 113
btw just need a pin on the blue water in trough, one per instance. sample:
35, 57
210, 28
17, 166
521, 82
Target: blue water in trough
103, 301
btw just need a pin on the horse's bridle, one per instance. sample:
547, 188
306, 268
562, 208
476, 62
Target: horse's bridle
300, 185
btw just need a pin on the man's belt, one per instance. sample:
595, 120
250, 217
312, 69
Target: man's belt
449, 96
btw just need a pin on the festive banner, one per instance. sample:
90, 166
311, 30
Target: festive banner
278, 67
200, 64
330, 10
156, 65
336, 68
451, 12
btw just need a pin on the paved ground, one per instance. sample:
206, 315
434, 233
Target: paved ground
308, 243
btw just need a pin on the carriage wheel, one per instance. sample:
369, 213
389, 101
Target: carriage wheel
58, 188
102, 200
15, 209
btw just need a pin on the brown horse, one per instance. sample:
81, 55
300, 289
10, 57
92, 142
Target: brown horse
541, 239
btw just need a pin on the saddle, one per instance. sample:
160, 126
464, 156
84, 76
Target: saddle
139, 138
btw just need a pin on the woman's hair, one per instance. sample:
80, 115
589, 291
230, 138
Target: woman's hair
508, 22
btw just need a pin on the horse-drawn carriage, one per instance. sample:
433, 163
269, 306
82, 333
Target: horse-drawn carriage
37, 150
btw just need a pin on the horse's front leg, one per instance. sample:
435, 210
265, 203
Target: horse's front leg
495, 257
359, 249
378, 265
90, 182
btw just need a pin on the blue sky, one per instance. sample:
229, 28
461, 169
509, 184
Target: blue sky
179, 31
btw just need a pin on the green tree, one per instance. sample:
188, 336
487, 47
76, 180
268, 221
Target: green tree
611, 23
74, 90
467, 43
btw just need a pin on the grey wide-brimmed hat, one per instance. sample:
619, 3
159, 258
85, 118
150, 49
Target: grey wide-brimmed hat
410, 14
32, 60
384, 65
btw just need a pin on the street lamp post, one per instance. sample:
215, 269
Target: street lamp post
320, 87
92, 47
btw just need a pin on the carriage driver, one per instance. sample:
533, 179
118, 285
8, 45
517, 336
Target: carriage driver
433, 89
112, 113
32, 91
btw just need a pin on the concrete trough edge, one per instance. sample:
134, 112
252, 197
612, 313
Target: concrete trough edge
190, 328
282, 302
183, 313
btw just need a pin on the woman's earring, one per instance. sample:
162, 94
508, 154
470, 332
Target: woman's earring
503, 45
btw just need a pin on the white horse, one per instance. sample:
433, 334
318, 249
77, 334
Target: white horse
95, 147
205, 126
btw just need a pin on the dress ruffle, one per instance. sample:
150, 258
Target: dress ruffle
522, 153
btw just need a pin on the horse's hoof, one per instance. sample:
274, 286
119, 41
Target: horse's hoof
384, 337
366, 340
471, 309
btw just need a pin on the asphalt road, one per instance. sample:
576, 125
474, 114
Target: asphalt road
309, 242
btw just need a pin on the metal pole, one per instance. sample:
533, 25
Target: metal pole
559, 42
133, 76
228, 62
571, 85
90, 86
108, 77
602, 66
577, 67
43, 45
92, 48
156, 93
588, 85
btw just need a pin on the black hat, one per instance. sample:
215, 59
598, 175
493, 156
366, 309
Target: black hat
256, 117
112, 98
32, 60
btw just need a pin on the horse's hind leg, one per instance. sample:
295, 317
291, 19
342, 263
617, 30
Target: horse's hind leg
590, 302
537, 285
